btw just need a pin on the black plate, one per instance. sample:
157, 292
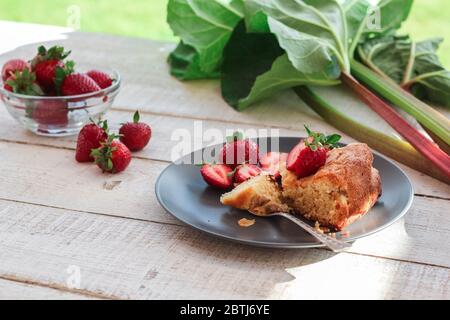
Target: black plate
180, 189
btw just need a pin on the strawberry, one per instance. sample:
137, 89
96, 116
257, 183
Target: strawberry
217, 175
23, 82
11, 66
78, 83
112, 156
238, 151
102, 79
271, 162
6, 86
89, 138
49, 112
46, 63
310, 155
245, 172
135, 135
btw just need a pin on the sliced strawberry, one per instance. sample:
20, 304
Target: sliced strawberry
294, 156
245, 172
238, 151
217, 175
272, 161
12, 66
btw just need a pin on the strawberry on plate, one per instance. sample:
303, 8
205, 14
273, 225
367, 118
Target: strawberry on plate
310, 155
245, 172
271, 162
90, 138
217, 175
238, 150
78, 83
11, 66
46, 63
112, 156
101, 78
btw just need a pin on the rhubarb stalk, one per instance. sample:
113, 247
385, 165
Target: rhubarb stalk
431, 119
426, 147
394, 148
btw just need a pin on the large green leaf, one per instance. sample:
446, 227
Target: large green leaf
357, 14
366, 21
206, 27
391, 15
415, 66
255, 67
184, 62
312, 32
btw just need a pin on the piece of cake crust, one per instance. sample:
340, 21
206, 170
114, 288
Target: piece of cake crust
343, 190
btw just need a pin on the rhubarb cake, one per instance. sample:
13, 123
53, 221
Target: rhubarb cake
341, 191
260, 195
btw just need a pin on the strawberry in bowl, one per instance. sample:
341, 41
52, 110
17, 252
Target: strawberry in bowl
50, 96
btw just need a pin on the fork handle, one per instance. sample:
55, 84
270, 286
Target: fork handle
332, 243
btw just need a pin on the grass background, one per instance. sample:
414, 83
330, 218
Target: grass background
147, 18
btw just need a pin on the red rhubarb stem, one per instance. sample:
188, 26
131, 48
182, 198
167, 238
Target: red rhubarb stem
423, 145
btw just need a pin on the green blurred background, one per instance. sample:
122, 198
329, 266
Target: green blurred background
146, 18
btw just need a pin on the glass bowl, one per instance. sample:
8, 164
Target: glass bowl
62, 115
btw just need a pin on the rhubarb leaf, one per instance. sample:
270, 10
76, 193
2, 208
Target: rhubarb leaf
431, 80
387, 17
313, 32
255, 67
414, 66
185, 65
357, 15
365, 21
204, 26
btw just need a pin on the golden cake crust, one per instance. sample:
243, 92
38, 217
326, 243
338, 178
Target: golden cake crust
350, 179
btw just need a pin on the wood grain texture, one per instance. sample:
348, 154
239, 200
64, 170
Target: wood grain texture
165, 139
13, 290
120, 258
55, 213
420, 237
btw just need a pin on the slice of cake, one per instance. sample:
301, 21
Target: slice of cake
260, 195
344, 189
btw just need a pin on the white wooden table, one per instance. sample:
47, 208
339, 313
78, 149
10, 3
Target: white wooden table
58, 217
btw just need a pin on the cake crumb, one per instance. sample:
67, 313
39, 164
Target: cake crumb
245, 223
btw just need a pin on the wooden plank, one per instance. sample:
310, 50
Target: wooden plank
13, 290
162, 144
148, 85
122, 258
53, 178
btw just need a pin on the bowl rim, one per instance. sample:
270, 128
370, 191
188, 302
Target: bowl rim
116, 84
